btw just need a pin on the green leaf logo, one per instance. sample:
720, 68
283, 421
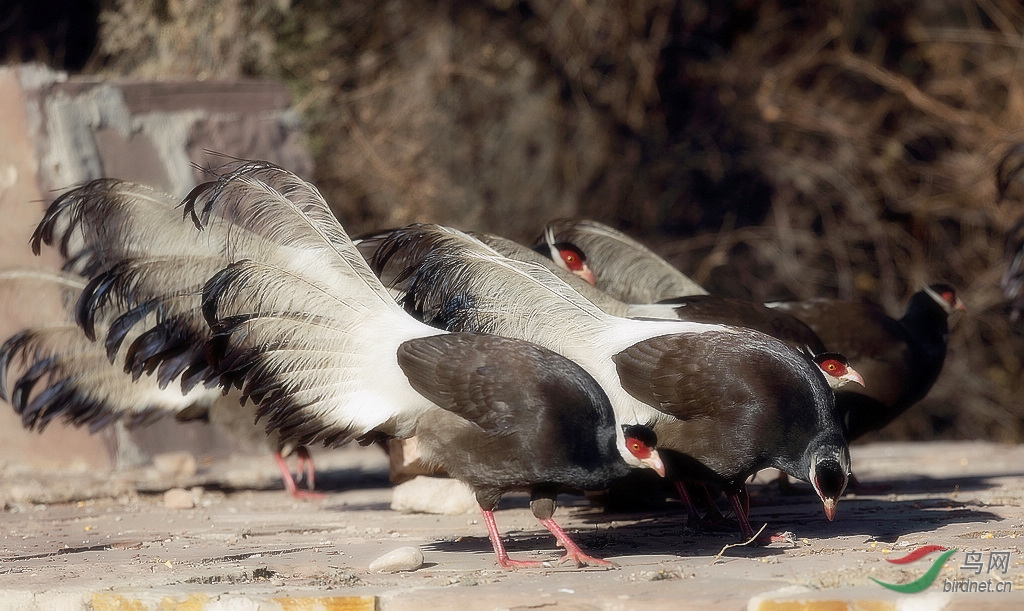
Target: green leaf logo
922, 582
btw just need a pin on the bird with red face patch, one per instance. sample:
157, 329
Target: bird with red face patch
568, 256
724, 401
835, 367
899, 359
613, 262
695, 308
252, 284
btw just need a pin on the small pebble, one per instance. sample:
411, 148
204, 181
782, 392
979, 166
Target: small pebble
178, 498
401, 559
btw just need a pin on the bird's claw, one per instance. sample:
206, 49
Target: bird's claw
510, 564
581, 560
308, 495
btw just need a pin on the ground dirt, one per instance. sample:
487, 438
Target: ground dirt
79, 537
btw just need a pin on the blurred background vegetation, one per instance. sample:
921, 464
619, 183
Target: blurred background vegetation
772, 150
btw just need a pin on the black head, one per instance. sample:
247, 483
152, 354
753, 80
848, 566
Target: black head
927, 316
946, 297
828, 470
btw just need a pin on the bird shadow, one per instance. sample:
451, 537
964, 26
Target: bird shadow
327, 481
886, 516
341, 480
883, 518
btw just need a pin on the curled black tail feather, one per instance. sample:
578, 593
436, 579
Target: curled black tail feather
405, 249
12, 346
199, 203
123, 325
89, 303
416, 258
44, 231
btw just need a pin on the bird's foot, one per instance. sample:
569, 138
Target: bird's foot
510, 564
572, 551
782, 537
305, 470
582, 560
306, 495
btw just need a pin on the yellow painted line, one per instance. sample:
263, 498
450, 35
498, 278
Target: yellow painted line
328, 603
199, 602
116, 602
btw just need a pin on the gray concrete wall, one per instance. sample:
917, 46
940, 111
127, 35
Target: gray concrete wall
58, 131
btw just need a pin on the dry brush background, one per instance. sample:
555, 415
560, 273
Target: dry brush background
770, 149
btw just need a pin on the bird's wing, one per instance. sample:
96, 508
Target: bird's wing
60, 373
474, 376
752, 315
672, 374
460, 284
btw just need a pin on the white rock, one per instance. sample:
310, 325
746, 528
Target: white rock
424, 494
401, 559
179, 498
175, 464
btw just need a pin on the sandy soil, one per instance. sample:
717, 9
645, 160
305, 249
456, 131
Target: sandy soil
80, 537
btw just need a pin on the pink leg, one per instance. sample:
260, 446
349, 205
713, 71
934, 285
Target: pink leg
684, 494
740, 502
741, 515
503, 560
711, 503
572, 551
289, 481
306, 467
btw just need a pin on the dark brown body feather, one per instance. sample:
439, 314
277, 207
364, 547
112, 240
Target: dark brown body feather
518, 415
728, 427
730, 401
900, 359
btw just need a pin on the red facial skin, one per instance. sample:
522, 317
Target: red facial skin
576, 262
834, 368
638, 448
954, 301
